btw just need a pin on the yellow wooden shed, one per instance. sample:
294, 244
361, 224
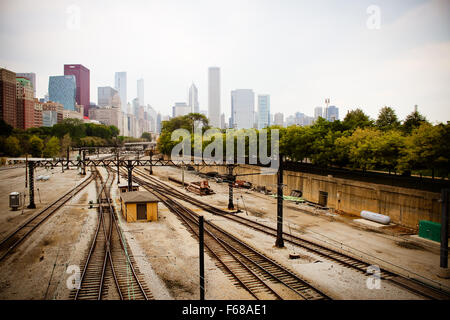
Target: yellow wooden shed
139, 206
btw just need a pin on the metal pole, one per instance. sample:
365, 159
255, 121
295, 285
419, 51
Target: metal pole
84, 163
151, 158
182, 174
201, 258
444, 228
32, 205
68, 156
118, 172
230, 188
26, 169
280, 242
130, 176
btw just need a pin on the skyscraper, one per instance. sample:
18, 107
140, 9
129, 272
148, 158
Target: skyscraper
135, 107
180, 109
242, 108
158, 123
82, 78
317, 112
193, 99
222, 121
30, 76
63, 89
278, 119
214, 96
331, 113
140, 92
108, 96
263, 111
121, 86
8, 97
24, 103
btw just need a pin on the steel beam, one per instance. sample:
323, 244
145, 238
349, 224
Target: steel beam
444, 228
32, 205
231, 180
279, 243
130, 175
201, 257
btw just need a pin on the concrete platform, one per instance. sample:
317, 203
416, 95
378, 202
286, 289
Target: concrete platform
429, 242
370, 223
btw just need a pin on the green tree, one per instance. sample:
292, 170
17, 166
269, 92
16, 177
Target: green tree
388, 148
75, 127
147, 136
5, 128
412, 121
12, 146
66, 142
361, 147
114, 131
356, 119
296, 143
387, 119
51, 148
36, 145
188, 122
426, 148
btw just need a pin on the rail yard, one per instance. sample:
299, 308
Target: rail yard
77, 244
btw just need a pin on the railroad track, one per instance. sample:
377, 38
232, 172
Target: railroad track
109, 270
414, 285
18, 235
261, 276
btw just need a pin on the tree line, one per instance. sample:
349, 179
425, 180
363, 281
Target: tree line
357, 142
54, 141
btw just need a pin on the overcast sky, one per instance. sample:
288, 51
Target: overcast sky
299, 52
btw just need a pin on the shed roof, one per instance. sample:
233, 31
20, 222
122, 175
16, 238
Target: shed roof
139, 197
125, 184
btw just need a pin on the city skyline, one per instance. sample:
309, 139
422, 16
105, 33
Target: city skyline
352, 64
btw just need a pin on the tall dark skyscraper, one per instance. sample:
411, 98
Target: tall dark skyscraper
82, 77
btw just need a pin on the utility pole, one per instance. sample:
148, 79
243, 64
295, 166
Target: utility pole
130, 175
444, 234
279, 243
231, 179
201, 257
68, 156
182, 173
32, 205
26, 169
151, 158
118, 167
84, 163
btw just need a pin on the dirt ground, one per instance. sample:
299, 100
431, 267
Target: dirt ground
167, 254
388, 249
37, 268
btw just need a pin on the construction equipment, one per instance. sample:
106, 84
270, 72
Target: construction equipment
242, 184
200, 187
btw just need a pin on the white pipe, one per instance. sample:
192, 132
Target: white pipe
380, 218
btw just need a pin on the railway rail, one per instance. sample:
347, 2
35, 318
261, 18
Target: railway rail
414, 285
258, 274
23, 231
109, 271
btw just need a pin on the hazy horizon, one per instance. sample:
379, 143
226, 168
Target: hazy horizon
298, 52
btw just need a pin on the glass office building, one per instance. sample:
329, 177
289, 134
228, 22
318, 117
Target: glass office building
263, 111
63, 89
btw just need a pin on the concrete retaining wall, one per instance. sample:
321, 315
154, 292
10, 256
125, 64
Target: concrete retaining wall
404, 206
